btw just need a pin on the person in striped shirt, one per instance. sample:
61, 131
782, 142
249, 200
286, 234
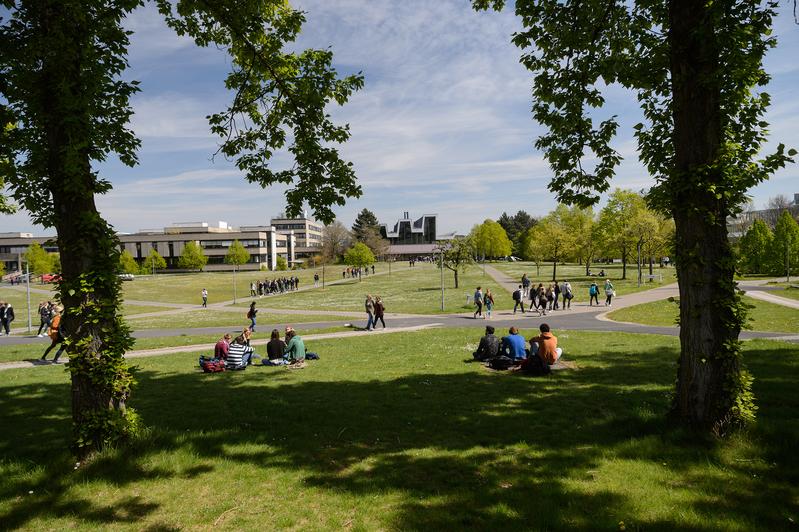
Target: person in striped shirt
239, 354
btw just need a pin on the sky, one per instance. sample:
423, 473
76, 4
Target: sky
443, 125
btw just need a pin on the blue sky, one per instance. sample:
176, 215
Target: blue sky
442, 126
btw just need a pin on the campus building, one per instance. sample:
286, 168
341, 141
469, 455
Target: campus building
409, 238
263, 243
14, 245
738, 225
307, 232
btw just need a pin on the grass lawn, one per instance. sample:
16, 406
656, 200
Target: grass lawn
408, 291
13, 353
211, 318
575, 274
380, 434
764, 316
186, 287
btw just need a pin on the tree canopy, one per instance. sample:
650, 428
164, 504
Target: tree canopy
693, 67
153, 261
237, 254
490, 240
457, 255
192, 257
365, 224
359, 256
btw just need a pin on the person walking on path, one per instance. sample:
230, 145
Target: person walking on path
253, 292
525, 285
593, 294
251, 314
56, 334
316, 280
380, 310
566, 290
478, 301
556, 291
6, 316
609, 293
369, 306
489, 303
205, 298
44, 318
517, 299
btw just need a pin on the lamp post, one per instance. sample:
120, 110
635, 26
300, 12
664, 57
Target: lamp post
28, 285
441, 267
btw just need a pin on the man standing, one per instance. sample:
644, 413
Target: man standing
205, 298
478, 301
517, 299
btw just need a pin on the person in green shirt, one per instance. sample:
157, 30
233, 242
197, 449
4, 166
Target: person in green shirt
295, 347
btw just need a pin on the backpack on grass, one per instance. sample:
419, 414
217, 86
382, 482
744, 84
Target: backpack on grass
500, 363
211, 365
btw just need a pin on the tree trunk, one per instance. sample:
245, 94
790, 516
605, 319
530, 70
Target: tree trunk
624, 263
89, 248
587, 266
712, 392
554, 269
456, 277
651, 273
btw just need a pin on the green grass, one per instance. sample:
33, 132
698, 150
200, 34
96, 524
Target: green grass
212, 318
764, 316
132, 310
408, 291
14, 353
381, 434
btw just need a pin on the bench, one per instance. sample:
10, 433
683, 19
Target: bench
659, 277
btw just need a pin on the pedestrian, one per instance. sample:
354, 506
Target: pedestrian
593, 294
56, 334
251, 314
6, 317
525, 286
609, 293
566, 290
316, 280
550, 297
373, 269
44, 318
517, 299
205, 298
556, 291
369, 305
489, 303
380, 310
478, 301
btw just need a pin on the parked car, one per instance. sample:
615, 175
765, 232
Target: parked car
50, 278
126, 276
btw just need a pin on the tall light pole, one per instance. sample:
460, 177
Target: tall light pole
441, 267
234, 283
28, 284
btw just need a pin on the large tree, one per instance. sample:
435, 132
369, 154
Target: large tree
456, 255
63, 88
516, 226
785, 245
359, 256
555, 238
616, 225
489, 239
192, 257
693, 66
365, 223
335, 241
754, 248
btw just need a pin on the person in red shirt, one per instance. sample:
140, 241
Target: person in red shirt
545, 345
222, 347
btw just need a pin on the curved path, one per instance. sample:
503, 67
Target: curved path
580, 317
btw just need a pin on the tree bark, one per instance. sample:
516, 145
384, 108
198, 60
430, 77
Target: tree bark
554, 270
89, 249
624, 263
709, 357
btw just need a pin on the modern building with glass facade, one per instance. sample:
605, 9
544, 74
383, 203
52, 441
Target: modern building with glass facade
307, 232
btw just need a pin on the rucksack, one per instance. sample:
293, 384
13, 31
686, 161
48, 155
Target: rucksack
212, 365
517, 295
500, 363
533, 365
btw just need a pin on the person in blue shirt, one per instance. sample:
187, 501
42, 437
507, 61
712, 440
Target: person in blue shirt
513, 345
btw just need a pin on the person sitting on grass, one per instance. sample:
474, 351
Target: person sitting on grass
513, 345
489, 346
222, 347
545, 345
276, 347
295, 347
239, 354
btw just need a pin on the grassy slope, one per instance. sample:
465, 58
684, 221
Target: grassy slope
210, 318
380, 434
408, 290
764, 316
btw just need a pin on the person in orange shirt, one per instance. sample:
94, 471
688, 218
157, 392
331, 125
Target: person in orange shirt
545, 345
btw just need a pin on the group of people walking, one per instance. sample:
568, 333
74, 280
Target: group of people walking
542, 298
375, 310
356, 273
279, 285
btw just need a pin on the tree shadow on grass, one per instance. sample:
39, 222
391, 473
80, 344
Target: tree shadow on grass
472, 450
